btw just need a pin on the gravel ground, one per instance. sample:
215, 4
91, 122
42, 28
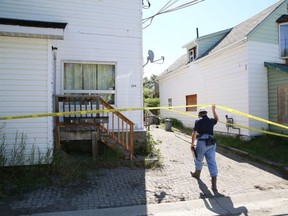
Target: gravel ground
126, 186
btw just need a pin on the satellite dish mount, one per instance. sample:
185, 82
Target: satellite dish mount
150, 58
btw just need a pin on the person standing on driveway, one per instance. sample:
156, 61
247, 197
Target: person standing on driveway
206, 144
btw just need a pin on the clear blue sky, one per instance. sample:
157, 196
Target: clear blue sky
169, 32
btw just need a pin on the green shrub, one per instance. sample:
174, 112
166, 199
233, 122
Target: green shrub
148, 148
175, 122
152, 102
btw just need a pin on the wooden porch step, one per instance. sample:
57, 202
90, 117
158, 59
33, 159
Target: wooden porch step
111, 143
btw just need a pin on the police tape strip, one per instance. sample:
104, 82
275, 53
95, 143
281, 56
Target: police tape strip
235, 125
152, 108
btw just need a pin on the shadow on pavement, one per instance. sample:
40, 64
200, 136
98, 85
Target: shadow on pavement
160, 196
219, 203
104, 188
243, 158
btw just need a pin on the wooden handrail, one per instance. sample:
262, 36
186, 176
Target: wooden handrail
125, 133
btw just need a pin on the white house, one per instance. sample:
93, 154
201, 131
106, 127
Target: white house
235, 68
59, 47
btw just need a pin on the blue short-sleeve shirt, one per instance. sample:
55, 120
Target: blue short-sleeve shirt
205, 125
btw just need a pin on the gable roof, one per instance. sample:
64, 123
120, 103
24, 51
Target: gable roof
236, 34
242, 30
216, 44
179, 63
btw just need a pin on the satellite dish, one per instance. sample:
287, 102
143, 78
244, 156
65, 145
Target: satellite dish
150, 56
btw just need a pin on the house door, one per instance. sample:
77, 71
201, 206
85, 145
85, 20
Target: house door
283, 104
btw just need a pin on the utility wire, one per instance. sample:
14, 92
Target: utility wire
165, 9
146, 6
166, 6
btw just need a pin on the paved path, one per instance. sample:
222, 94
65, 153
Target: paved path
125, 187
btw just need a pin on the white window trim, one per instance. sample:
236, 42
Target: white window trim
279, 40
88, 91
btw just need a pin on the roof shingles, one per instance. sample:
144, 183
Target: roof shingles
241, 31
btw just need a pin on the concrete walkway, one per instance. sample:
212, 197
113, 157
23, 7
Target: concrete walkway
257, 204
244, 186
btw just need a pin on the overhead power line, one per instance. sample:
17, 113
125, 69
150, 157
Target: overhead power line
165, 9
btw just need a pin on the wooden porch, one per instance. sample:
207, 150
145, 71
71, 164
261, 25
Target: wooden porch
84, 122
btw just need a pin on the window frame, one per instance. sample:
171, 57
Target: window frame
192, 53
89, 92
279, 40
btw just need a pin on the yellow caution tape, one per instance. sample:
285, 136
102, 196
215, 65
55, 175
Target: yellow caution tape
235, 125
152, 108
252, 117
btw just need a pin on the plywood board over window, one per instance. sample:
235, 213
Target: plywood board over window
283, 104
191, 100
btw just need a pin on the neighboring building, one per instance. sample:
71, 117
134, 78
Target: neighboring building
59, 47
243, 68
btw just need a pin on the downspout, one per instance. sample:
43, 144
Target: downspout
54, 50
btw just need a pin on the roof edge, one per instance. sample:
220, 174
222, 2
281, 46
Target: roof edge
32, 23
277, 66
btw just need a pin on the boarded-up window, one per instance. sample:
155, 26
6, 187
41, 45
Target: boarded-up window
283, 104
191, 100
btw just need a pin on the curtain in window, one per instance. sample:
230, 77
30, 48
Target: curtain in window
89, 77
106, 77
72, 76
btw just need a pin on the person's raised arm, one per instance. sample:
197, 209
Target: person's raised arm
215, 116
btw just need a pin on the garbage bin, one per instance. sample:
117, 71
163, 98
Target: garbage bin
157, 120
168, 124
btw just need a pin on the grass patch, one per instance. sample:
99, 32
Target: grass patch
268, 147
64, 169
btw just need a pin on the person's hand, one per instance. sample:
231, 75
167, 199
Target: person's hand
213, 106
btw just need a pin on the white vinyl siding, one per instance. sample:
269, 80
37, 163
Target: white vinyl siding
258, 83
230, 79
24, 90
221, 79
101, 32
234, 77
